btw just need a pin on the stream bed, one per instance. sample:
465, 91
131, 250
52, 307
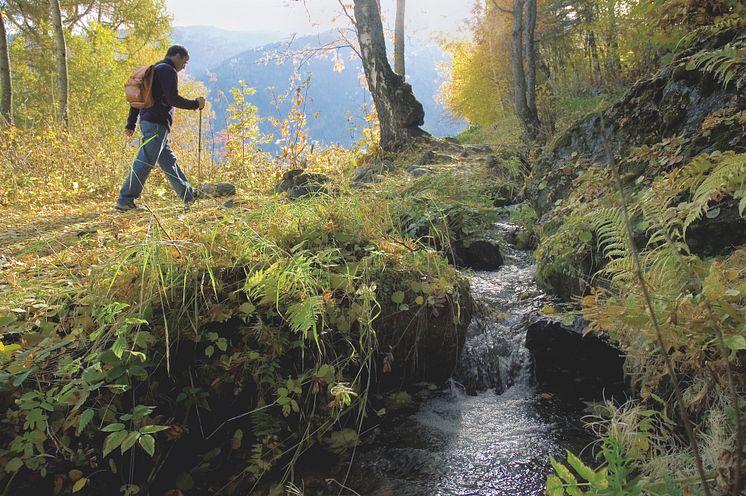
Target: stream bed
489, 432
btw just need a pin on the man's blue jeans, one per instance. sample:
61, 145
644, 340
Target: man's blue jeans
155, 149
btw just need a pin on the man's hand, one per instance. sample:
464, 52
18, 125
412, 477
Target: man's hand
129, 132
201, 102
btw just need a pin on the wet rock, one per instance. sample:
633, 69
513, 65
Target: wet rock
479, 254
571, 365
718, 232
568, 277
214, 190
421, 344
297, 183
371, 173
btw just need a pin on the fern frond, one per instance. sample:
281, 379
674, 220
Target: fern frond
725, 177
613, 239
726, 64
303, 316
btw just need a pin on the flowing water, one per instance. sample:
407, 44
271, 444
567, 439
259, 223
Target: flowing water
489, 432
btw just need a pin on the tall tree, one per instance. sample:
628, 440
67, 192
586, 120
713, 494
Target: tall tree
399, 38
399, 112
61, 56
523, 56
6, 88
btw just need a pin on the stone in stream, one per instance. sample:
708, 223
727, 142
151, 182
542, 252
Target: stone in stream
480, 254
572, 365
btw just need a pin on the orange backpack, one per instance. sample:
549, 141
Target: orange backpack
138, 88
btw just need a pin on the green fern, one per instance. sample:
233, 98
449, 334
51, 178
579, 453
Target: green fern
611, 232
727, 64
304, 316
713, 177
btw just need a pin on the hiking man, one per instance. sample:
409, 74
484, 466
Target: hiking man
155, 124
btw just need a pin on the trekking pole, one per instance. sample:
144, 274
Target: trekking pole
199, 147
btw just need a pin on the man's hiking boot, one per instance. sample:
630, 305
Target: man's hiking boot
124, 207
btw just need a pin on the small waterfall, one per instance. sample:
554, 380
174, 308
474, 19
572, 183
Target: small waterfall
494, 355
488, 433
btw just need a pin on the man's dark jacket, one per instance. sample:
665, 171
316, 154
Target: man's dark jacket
166, 96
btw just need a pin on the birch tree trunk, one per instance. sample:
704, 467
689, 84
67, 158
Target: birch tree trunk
399, 38
6, 87
61, 56
399, 112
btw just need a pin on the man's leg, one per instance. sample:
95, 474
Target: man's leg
175, 175
147, 156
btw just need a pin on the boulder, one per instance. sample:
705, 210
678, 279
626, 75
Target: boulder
480, 254
215, 190
431, 157
298, 183
718, 232
571, 365
422, 344
416, 171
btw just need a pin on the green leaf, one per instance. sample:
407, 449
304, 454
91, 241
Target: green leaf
130, 441
554, 486
113, 441
184, 482
119, 345
735, 343
585, 237
246, 309
85, 419
79, 484
581, 468
563, 472
148, 443
713, 213
209, 351
13, 465
398, 297
151, 429
113, 428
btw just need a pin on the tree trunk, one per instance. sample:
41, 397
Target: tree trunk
613, 64
530, 56
6, 88
519, 76
61, 56
522, 93
399, 112
399, 38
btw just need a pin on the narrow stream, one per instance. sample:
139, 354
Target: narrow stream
489, 432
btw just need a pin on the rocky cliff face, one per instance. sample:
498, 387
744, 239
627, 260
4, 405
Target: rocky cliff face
676, 102
684, 108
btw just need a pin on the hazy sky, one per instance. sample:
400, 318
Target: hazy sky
424, 17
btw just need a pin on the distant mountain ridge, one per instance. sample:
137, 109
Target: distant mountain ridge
337, 96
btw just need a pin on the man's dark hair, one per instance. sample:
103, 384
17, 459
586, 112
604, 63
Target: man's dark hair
177, 50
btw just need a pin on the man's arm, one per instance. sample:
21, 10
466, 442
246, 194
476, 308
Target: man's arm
131, 121
169, 84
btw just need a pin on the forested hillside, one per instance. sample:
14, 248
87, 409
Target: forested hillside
386, 312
